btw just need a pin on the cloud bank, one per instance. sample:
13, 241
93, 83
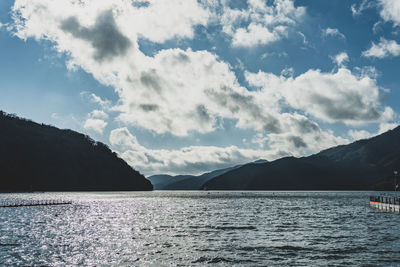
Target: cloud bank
184, 91
331, 97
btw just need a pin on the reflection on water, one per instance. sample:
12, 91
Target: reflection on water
196, 228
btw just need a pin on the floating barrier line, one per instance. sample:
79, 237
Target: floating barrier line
31, 204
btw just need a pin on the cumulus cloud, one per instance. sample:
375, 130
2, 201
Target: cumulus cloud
255, 34
187, 160
98, 114
384, 127
261, 23
96, 120
364, 134
96, 125
181, 91
341, 59
175, 91
332, 97
333, 32
390, 11
302, 136
149, 21
164, 93
385, 48
359, 134
199, 159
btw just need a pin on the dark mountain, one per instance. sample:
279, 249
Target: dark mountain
37, 157
195, 182
363, 165
160, 181
189, 182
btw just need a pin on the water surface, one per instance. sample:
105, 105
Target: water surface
197, 228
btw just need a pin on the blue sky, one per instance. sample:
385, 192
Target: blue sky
184, 87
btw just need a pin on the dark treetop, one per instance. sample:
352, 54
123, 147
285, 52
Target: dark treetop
37, 157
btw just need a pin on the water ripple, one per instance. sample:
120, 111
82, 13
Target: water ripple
199, 228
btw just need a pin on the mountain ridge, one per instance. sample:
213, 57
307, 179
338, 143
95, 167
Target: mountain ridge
190, 182
362, 165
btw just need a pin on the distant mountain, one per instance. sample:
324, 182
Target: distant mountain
189, 182
363, 165
195, 182
160, 181
37, 157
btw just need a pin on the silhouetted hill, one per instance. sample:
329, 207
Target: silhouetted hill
37, 157
189, 182
363, 165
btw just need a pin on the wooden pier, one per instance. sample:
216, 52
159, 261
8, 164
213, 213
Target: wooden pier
385, 203
31, 203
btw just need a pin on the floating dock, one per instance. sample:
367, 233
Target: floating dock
385, 203
30, 203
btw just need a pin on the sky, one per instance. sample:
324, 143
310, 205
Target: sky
190, 86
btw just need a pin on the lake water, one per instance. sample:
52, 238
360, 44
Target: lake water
198, 228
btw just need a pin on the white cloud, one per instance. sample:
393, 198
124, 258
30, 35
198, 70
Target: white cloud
180, 91
359, 134
199, 159
187, 160
331, 97
363, 134
390, 11
341, 59
96, 125
385, 48
96, 120
174, 91
384, 127
302, 136
263, 23
253, 35
151, 22
333, 32
365, 4
98, 114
